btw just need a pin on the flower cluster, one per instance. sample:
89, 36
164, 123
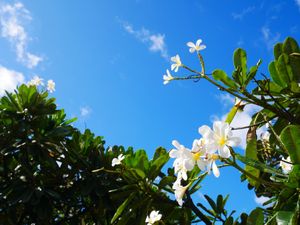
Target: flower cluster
214, 144
37, 81
176, 61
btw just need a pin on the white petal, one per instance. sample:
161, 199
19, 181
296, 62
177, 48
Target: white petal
205, 131
224, 152
190, 44
215, 169
199, 41
192, 50
201, 164
173, 66
173, 153
202, 47
176, 144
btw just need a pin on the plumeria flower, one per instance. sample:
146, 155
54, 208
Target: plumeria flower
177, 63
36, 81
50, 86
117, 161
211, 164
221, 137
167, 77
199, 150
183, 159
196, 47
153, 217
286, 165
179, 191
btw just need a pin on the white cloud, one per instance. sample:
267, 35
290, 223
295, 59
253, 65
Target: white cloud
85, 111
261, 200
156, 42
9, 79
241, 15
269, 37
12, 18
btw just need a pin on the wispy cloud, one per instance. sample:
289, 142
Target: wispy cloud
298, 3
155, 41
269, 37
85, 111
12, 20
9, 79
243, 13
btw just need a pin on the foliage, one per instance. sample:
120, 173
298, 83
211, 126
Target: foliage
51, 173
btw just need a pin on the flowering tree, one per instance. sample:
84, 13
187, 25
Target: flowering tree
51, 173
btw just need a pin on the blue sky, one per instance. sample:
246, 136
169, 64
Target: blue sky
108, 57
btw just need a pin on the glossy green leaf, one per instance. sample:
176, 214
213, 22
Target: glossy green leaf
122, 207
290, 138
278, 50
285, 218
222, 76
240, 61
252, 73
290, 46
275, 75
256, 217
284, 68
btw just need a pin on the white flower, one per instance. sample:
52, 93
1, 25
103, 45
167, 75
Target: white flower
177, 63
117, 161
50, 86
179, 191
153, 217
167, 77
211, 164
199, 150
183, 159
286, 165
221, 137
36, 81
196, 47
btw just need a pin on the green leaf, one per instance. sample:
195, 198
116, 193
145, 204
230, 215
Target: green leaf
290, 138
252, 73
285, 218
251, 152
290, 46
211, 203
275, 75
222, 76
240, 61
122, 207
220, 207
284, 68
256, 217
278, 50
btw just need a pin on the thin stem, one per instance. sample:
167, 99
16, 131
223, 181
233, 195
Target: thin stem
253, 125
216, 84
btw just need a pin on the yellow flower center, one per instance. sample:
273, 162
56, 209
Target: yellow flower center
222, 141
214, 157
197, 156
